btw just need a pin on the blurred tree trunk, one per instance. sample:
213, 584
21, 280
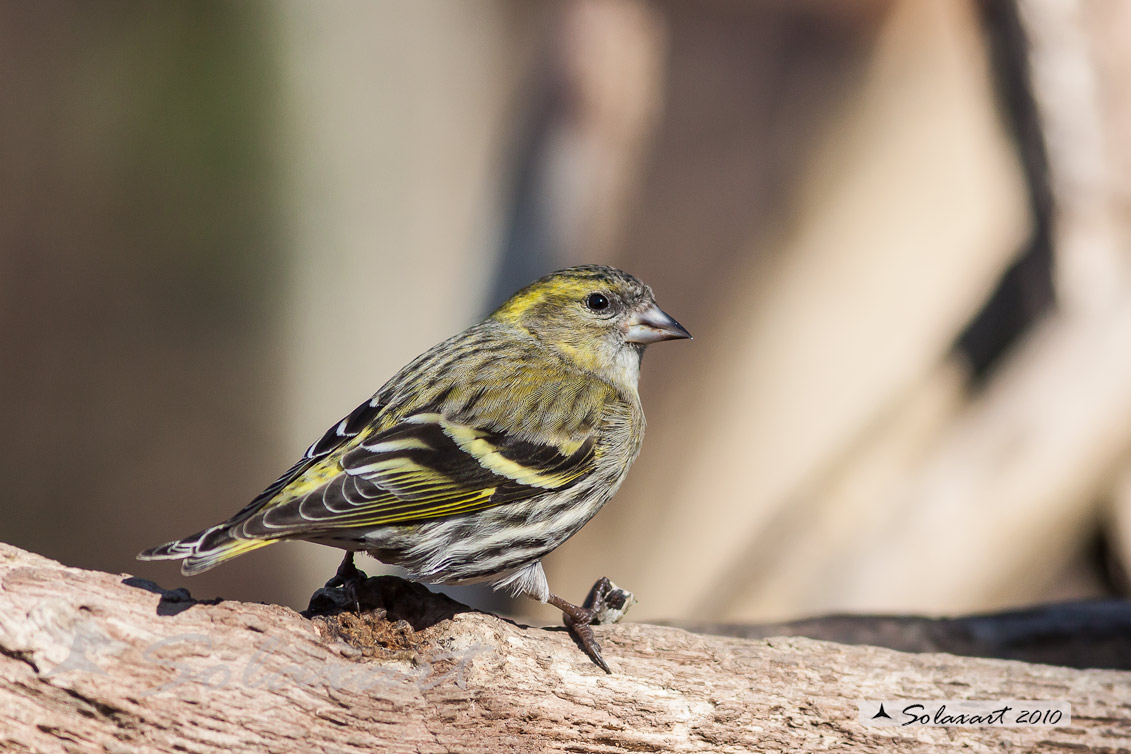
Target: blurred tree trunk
849, 166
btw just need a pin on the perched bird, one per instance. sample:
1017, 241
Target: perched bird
480, 456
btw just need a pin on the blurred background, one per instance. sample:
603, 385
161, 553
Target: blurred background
900, 231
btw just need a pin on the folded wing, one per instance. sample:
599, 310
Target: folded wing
425, 467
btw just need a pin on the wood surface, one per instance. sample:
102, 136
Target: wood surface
98, 662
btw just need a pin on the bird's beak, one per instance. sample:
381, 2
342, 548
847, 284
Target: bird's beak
653, 325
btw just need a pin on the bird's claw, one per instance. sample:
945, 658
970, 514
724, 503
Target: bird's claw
606, 603
581, 626
343, 588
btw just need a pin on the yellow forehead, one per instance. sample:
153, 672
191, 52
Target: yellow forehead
553, 297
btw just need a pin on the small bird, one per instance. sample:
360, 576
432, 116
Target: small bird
479, 457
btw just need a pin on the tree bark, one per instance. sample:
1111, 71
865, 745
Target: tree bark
93, 662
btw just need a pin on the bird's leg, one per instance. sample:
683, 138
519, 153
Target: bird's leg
606, 603
349, 579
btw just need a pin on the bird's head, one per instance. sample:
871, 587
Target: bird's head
599, 317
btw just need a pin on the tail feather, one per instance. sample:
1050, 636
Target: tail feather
203, 550
175, 550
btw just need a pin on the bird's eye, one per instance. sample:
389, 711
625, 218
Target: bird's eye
597, 302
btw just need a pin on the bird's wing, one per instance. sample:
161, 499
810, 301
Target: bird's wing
426, 466
335, 438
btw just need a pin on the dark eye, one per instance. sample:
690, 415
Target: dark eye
597, 302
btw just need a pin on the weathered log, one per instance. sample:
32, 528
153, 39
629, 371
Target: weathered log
94, 662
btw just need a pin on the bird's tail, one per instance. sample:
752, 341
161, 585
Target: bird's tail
204, 550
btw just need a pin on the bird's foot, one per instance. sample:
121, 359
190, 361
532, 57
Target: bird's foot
343, 589
606, 603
